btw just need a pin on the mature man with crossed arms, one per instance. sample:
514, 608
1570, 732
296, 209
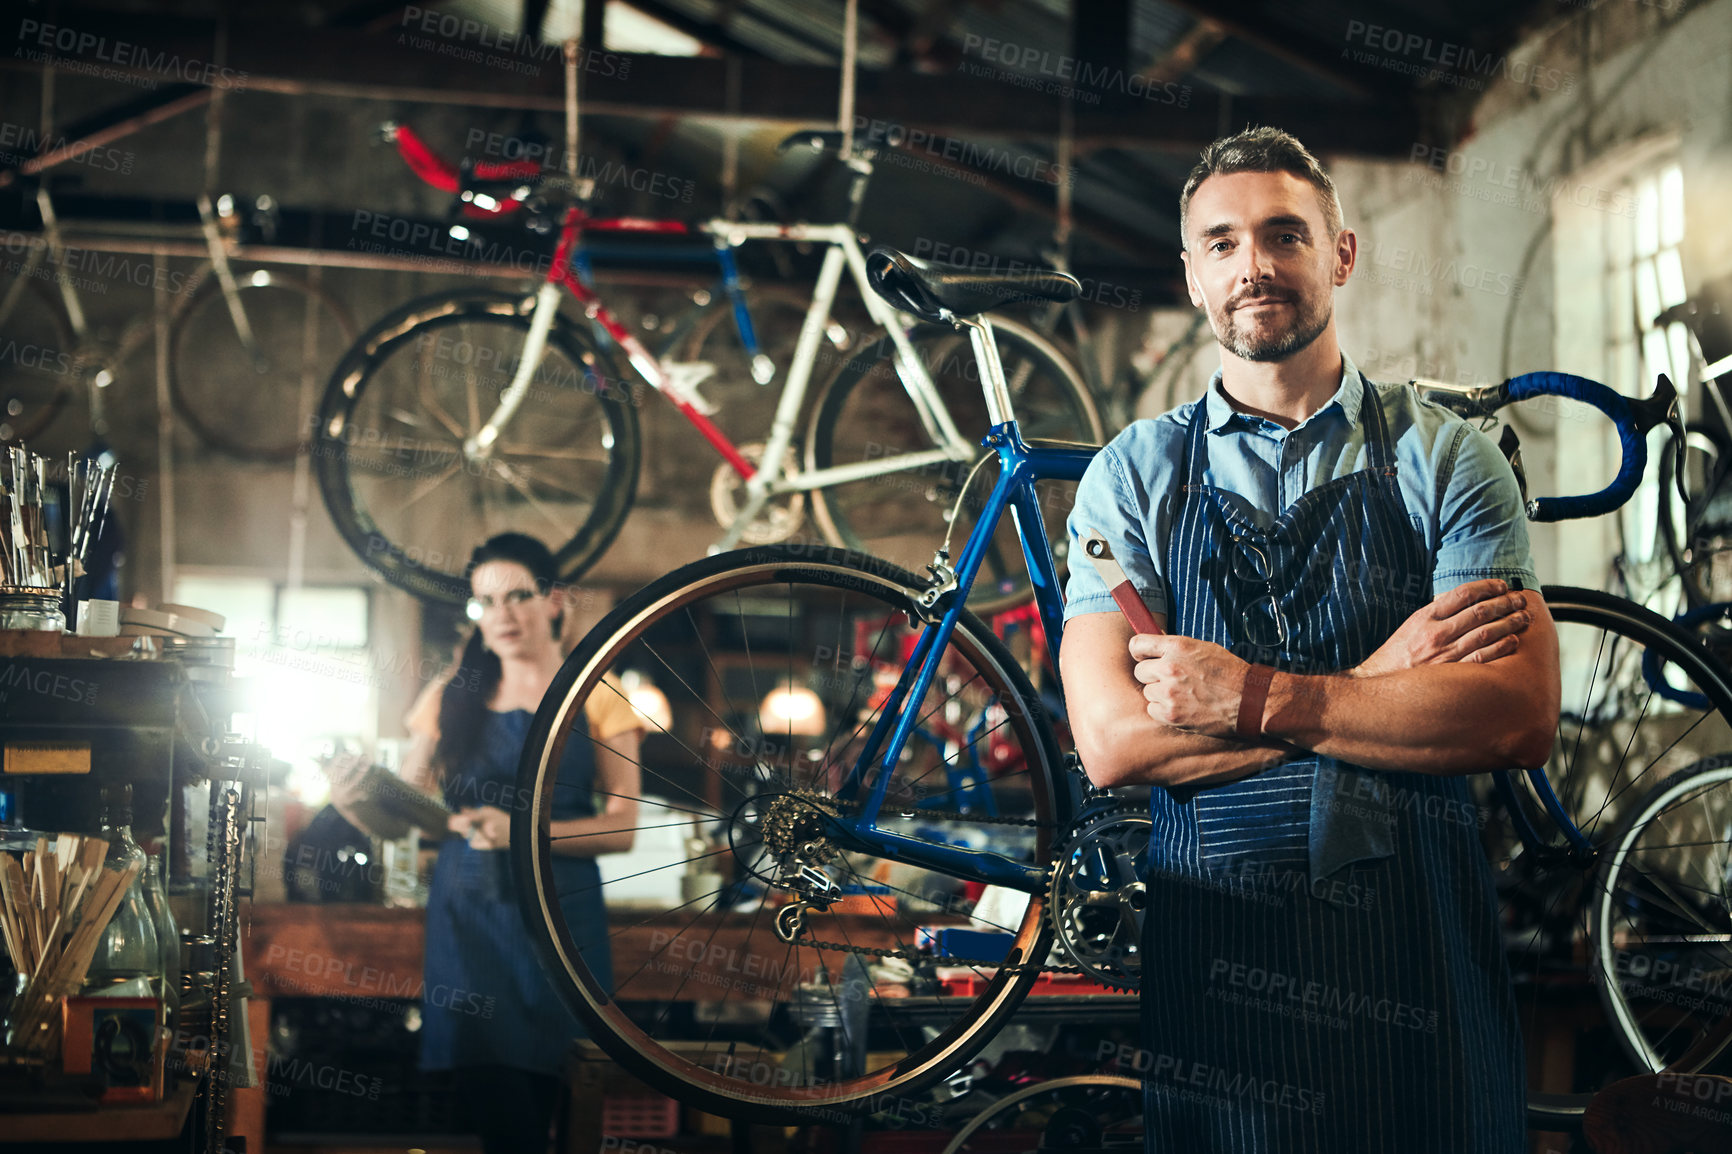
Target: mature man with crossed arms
1312, 709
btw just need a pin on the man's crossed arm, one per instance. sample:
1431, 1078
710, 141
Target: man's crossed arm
1469, 683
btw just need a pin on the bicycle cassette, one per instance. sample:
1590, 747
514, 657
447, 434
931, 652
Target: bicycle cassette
1096, 895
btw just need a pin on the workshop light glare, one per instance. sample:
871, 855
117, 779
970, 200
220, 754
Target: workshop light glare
649, 701
792, 709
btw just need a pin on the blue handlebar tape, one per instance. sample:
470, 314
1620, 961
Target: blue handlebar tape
1616, 407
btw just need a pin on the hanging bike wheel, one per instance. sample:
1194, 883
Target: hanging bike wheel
389, 445
252, 407
773, 663
866, 413
40, 370
1663, 921
1640, 702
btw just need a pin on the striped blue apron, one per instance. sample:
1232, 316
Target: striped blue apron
485, 1000
1323, 966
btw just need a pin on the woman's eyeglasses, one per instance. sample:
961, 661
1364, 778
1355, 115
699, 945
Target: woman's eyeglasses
1260, 618
482, 602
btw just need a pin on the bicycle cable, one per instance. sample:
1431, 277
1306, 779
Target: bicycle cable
956, 509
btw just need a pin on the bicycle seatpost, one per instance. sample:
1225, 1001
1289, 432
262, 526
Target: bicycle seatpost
860, 168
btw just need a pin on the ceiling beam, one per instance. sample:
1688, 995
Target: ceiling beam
400, 66
110, 125
1020, 195
1185, 53
1249, 22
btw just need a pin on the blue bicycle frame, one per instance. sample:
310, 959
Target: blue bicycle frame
1020, 467
720, 251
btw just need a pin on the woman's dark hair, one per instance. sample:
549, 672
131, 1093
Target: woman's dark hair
463, 705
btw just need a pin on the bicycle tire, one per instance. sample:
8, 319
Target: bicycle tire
864, 412
1089, 1088
263, 420
1616, 737
716, 635
1664, 902
581, 408
40, 372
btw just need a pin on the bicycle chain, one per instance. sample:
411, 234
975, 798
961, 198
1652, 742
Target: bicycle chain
915, 955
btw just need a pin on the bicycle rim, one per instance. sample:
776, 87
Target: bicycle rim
1617, 737
865, 413
1090, 1112
37, 378
255, 409
705, 1000
389, 446
1663, 919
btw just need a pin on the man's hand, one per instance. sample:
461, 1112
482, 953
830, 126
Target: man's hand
1189, 685
486, 827
1478, 622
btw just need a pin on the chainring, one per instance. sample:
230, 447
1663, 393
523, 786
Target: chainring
1095, 895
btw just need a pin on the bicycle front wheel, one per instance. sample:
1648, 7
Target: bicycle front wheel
1640, 701
394, 446
252, 406
866, 413
759, 675
1663, 921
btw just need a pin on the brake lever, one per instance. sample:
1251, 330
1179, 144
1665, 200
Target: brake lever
1662, 408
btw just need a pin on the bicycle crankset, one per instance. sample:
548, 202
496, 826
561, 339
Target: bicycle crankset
1096, 895
779, 519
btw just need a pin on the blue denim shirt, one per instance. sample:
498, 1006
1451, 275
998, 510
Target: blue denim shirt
1459, 490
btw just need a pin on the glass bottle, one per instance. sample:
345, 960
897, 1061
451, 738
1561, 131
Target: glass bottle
128, 960
167, 936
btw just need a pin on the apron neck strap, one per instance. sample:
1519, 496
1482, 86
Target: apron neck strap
1380, 454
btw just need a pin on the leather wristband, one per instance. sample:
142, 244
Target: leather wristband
1251, 701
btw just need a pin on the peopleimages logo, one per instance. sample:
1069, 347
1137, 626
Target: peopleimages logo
1426, 58
1059, 74
77, 50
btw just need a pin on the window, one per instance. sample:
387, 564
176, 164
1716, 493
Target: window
303, 655
1645, 277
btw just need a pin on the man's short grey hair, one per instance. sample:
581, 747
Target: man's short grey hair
1260, 150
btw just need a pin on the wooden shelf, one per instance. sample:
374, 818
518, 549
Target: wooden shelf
156, 1122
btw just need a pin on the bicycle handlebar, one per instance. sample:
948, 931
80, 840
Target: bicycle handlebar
480, 185
1632, 418
1632, 440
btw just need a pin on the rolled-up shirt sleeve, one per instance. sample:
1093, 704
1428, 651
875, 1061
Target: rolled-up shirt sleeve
1482, 527
1108, 501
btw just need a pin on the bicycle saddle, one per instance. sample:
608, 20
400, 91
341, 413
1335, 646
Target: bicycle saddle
941, 293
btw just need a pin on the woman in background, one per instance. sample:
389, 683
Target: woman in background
488, 1012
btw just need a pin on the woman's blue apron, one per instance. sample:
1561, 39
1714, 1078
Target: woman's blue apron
486, 1000
1323, 968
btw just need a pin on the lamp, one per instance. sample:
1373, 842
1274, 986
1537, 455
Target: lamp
791, 709
650, 702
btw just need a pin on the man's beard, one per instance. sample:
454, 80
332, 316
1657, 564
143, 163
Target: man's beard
1306, 326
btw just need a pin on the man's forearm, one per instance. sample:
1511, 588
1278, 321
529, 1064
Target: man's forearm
1136, 750
1434, 719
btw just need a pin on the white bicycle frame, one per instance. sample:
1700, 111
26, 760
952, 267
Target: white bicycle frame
768, 479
